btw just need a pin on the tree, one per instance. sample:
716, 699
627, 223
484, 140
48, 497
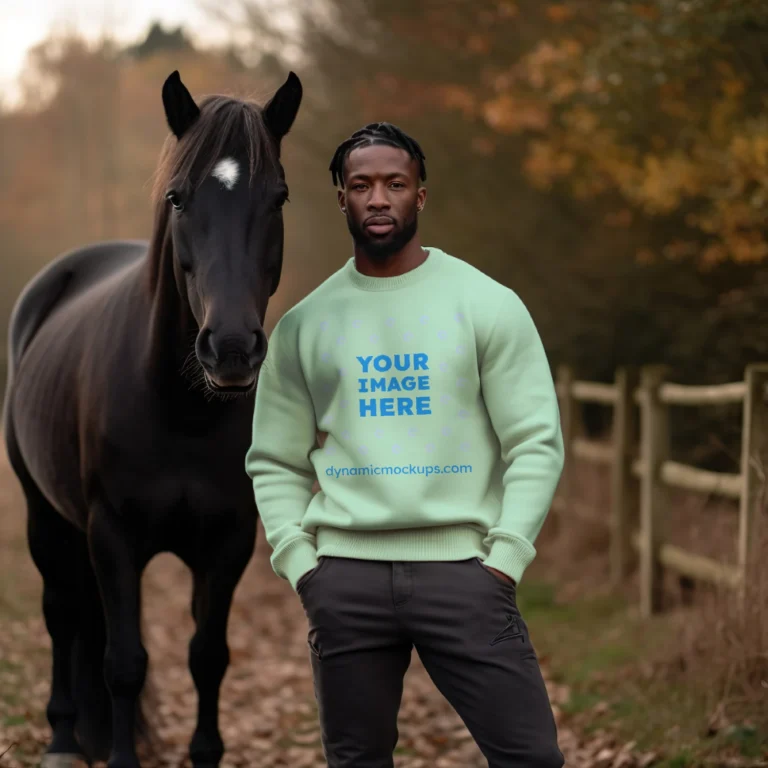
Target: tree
159, 40
662, 103
667, 107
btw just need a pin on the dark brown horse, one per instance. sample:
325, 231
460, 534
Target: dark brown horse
128, 414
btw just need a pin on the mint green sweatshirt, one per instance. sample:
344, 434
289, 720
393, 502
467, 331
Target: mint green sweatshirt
442, 429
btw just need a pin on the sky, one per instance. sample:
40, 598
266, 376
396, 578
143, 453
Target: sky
23, 23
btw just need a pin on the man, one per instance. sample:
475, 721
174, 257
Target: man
417, 391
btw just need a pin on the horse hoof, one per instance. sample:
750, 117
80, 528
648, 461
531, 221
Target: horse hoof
63, 760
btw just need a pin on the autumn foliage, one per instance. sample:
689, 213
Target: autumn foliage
661, 105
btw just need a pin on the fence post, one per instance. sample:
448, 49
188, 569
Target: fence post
568, 425
654, 451
754, 439
623, 484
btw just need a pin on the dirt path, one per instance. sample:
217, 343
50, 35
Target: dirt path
268, 713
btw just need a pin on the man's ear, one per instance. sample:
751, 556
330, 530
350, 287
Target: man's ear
421, 199
342, 197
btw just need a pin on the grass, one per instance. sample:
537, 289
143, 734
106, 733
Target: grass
19, 597
682, 759
614, 664
9, 693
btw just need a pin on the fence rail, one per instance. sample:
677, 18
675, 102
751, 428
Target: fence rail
719, 394
639, 451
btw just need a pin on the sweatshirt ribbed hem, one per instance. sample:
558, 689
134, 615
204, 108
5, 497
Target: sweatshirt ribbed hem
511, 555
294, 559
449, 542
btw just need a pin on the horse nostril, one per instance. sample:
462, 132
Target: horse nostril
205, 350
259, 349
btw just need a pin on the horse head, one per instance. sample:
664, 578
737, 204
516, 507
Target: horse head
224, 187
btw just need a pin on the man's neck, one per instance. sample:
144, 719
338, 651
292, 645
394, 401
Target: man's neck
398, 263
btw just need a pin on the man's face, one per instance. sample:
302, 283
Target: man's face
381, 198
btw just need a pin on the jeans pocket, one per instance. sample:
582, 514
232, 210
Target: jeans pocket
313, 647
309, 575
503, 582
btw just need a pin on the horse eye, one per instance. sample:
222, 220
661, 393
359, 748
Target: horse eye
175, 200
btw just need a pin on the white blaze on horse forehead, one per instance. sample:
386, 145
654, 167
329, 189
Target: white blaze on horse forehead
227, 172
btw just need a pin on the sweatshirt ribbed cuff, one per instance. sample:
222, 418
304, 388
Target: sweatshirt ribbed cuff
295, 559
511, 556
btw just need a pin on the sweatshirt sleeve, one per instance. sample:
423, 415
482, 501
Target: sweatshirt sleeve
277, 461
522, 403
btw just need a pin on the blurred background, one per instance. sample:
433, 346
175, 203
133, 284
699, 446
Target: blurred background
606, 160
609, 161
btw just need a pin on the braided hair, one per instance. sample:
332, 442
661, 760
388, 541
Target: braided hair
376, 133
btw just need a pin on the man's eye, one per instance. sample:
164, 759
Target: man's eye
358, 187
398, 184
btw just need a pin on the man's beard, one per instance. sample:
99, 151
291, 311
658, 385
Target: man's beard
378, 249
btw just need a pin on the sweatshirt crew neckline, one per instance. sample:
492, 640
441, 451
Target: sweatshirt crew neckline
369, 283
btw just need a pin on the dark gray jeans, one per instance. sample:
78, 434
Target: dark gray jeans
364, 618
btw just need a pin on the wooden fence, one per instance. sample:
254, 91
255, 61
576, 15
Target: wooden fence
637, 516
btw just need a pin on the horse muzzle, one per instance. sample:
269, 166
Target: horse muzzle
231, 364
235, 373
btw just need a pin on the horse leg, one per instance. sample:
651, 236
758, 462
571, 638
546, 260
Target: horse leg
118, 571
60, 553
214, 585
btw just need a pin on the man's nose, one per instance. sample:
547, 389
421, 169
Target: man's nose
378, 200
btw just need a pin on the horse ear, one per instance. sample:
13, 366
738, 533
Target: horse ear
281, 110
180, 108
